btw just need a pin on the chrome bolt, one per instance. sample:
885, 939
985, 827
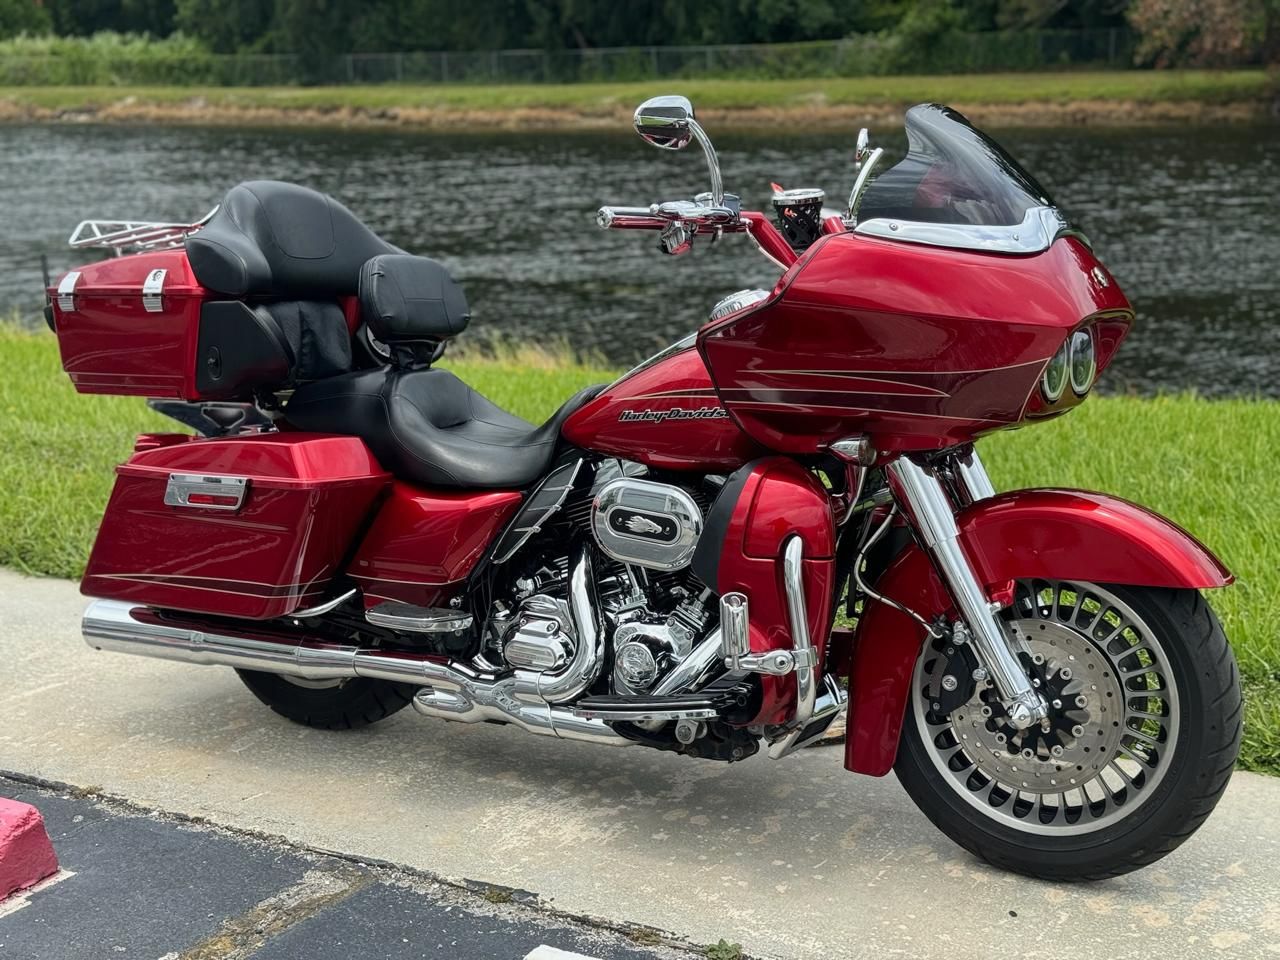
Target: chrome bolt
1082, 701
1028, 754
979, 674
949, 682
1001, 738
1057, 750
688, 731
1057, 704
1037, 659
1065, 673
986, 711
1077, 731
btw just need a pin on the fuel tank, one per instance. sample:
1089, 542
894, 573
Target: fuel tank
664, 414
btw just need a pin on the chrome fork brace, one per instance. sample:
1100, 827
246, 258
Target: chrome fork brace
922, 495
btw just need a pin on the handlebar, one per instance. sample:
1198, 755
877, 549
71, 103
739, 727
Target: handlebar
699, 217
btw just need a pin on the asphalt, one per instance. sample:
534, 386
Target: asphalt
792, 858
146, 886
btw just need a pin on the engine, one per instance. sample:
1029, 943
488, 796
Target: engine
653, 609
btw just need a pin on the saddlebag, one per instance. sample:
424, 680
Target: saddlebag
251, 526
142, 325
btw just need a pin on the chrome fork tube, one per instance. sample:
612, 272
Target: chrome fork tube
921, 493
971, 477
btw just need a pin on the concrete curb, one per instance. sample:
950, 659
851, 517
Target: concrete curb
26, 855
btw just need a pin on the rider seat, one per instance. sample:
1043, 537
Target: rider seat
425, 425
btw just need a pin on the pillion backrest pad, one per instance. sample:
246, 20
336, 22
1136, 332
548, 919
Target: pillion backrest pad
405, 299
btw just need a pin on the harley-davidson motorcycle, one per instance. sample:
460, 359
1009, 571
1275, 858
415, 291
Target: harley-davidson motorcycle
672, 561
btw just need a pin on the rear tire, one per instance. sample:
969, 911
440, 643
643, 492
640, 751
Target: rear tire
1180, 759
343, 705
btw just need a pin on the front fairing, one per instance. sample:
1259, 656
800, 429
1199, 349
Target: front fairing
932, 321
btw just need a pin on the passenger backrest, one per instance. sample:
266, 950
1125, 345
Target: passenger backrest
276, 239
408, 299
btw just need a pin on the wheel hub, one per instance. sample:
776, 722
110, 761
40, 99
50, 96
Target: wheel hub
1113, 714
1081, 733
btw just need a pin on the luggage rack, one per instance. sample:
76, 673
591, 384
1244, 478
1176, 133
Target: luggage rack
121, 235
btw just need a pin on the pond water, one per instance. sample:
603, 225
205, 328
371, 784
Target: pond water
1185, 219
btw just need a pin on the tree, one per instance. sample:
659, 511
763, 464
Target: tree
1207, 33
23, 16
86, 17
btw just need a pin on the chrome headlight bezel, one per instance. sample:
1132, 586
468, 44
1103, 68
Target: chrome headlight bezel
1083, 363
1053, 381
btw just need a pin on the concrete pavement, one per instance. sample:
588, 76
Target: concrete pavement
794, 858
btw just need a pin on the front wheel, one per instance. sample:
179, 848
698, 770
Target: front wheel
1142, 735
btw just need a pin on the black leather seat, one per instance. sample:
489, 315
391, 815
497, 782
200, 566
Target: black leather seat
270, 238
428, 427
425, 425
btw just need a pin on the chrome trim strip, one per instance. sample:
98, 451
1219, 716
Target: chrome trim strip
1035, 234
323, 608
415, 619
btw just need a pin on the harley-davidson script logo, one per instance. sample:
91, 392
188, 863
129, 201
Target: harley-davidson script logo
675, 413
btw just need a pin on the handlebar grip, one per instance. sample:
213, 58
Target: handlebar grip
629, 218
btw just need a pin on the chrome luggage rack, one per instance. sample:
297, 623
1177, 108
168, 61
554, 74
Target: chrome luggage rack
121, 235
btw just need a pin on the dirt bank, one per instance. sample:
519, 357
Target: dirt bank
811, 115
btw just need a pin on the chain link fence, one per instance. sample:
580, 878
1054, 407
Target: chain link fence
855, 56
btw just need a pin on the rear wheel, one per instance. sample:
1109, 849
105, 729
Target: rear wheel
1143, 732
329, 704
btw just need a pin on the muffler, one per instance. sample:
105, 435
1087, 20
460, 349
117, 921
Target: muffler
450, 691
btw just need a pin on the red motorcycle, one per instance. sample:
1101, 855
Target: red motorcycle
664, 561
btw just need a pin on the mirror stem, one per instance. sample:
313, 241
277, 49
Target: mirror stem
860, 185
713, 162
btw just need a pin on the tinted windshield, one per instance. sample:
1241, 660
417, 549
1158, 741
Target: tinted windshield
953, 174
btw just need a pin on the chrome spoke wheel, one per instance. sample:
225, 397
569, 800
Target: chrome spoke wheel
1112, 725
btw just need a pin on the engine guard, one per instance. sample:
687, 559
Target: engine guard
1054, 534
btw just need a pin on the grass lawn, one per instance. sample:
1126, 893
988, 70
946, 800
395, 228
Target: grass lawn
1142, 86
1207, 464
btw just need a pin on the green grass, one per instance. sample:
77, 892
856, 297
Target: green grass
1141, 86
1208, 464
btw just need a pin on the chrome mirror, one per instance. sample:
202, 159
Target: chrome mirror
666, 122
864, 161
860, 151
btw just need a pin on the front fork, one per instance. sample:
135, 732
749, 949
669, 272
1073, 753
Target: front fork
922, 495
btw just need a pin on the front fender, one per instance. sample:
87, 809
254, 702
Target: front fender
1023, 534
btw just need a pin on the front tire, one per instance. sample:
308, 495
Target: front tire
330, 705
1142, 741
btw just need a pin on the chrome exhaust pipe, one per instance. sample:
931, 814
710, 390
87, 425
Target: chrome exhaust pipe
450, 691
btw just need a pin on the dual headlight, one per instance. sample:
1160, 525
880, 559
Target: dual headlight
1076, 362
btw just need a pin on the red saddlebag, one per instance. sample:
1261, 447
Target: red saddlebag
252, 526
